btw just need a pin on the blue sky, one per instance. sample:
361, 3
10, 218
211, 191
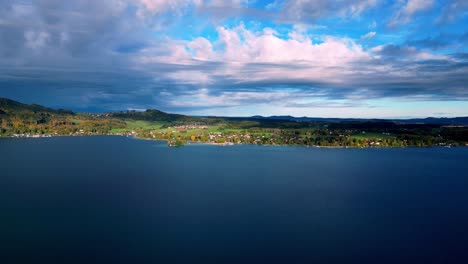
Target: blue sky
362, 58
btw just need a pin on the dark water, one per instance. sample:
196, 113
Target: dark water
122, 200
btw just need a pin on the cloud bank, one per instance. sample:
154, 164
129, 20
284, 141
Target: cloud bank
193, 55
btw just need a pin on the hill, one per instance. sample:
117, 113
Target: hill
9, 106
150, 115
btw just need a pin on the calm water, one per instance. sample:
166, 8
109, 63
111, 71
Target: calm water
122, 200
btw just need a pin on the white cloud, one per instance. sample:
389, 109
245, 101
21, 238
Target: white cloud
453, 10
147, 9
273, 5
368, 35
226, 3
310, 10
159, 6
372, 25
36, 40
238, 48
203, 98
408, 9
243, 45
202, 49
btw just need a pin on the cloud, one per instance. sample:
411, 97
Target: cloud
65, 32
408, 9
141, 54
403, 52
368, 35
453, 10
36, 40
243, 65
266, 46
312, 10
202, 98
148, 9
242, 55
159, 6
434, 42
226, 3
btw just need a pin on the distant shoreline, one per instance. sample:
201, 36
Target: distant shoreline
221, 144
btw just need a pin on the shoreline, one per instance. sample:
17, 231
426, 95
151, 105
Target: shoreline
221, 144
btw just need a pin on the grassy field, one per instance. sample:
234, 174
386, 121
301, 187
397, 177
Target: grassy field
138, 124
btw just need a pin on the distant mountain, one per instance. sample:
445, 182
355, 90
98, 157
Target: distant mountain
8, 106
428, 120
11, 107
305, 118
437, 121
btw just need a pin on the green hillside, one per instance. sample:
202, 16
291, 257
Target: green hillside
13, 107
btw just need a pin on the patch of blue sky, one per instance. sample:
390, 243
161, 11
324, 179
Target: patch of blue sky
261, 4
420, 108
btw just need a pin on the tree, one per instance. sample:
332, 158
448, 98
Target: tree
4, 123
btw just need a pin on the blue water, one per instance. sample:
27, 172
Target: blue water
123, 200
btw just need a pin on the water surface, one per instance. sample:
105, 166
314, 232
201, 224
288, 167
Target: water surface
122, 200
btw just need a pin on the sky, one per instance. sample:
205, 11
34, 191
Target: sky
317, 58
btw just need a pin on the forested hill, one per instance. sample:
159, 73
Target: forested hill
11, 107
153, 115
32, 119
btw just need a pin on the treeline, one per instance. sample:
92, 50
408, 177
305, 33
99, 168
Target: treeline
62, 125
313, 137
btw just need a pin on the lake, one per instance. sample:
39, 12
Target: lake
109, 199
